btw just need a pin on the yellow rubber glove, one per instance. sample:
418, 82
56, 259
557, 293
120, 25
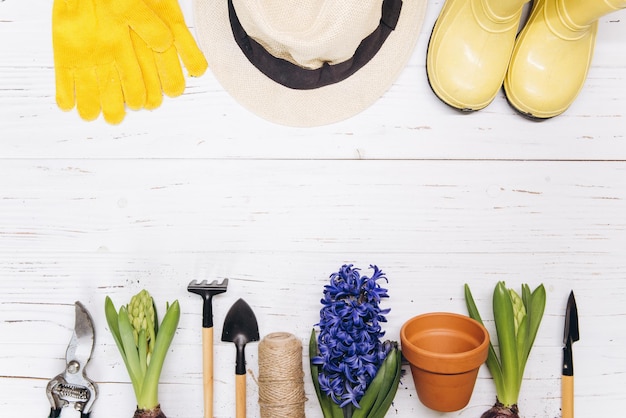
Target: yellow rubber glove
162, 71
96, 67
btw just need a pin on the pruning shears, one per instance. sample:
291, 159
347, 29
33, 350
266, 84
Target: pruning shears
73, 388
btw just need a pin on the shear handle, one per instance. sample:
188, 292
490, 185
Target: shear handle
56, 413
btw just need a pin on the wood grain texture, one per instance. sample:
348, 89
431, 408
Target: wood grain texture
201, 189
207, 370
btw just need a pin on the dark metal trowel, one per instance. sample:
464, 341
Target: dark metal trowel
240, 327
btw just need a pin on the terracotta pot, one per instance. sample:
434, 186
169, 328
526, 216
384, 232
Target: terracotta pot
445, 351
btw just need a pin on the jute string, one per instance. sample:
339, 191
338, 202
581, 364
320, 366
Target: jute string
281, 379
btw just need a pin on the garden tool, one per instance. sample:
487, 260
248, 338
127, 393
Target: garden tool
469, 50
95, 64
240, 327
570, 335
73, 388
552, 55
207, 291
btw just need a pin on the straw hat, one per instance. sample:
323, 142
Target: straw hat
307, 62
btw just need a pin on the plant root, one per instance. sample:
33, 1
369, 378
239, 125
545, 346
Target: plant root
501, 411
149, 413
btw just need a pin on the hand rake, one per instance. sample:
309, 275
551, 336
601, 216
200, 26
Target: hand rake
207, 291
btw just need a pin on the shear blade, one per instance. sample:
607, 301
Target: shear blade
80, 347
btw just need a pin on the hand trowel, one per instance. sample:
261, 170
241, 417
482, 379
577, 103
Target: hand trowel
240, 327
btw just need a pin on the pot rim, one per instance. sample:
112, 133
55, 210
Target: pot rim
413, 353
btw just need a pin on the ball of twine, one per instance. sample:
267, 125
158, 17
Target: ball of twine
281, 378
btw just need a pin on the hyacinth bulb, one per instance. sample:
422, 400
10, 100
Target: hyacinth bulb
501, 411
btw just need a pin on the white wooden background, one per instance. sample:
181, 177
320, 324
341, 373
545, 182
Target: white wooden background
202, 189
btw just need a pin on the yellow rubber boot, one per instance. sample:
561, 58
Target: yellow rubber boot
552, 55
469, 50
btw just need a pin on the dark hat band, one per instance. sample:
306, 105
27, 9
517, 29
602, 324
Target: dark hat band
293, 76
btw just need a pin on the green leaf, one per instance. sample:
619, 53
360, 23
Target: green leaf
113, 321
390, 364
335, 410
522, 344
373, 392
394, 370
535, 310
130, 350
324, 401
493, 363
151, 341
505, 328
156, 315
142, 350
526, 296
111, 317
149, 394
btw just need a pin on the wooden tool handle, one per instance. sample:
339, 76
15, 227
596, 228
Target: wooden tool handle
240, 387
207, 370
567, 396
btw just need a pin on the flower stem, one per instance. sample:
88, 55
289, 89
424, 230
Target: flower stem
347, 411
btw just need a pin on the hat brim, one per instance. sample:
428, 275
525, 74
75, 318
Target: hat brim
304, 108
